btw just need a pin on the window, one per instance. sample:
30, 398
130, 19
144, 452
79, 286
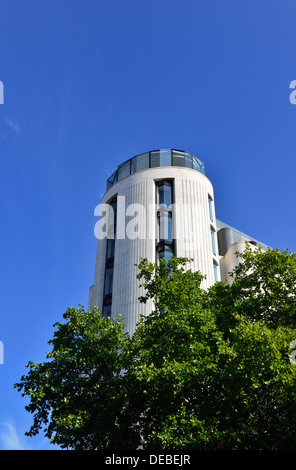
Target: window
140, 162
112, 180
197, 164
110, 248
188, 159
164, 238
213, 240
210, 200
124, 170
178, 158
107, 308
181, 158
113, 205
164, 226
110, 252
108, 280
161, 158
164, 193
165, 251
156, 158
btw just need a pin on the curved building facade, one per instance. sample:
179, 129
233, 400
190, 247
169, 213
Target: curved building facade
157, 204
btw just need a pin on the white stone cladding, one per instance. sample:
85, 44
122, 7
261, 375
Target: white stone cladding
192, 229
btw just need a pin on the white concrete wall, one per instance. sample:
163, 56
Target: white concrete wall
191, 217
231, 260
193, 224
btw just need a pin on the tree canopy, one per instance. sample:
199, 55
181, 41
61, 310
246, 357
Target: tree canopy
207, 369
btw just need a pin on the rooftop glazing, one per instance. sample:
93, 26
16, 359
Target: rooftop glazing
156, 158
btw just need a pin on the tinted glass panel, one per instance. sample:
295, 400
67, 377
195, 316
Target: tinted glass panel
178, 158
164, 194
112, 180
108, 280
124, 170
210, 208
140, 162
110, 248
166, 252
161, 158
197, 164
107, 311
213, 241
188, 159
164, 157
165, 227
113, 212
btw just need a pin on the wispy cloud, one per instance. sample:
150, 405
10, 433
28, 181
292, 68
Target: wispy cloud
9, 125
9, 439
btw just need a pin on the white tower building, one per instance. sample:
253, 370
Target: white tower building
156, 204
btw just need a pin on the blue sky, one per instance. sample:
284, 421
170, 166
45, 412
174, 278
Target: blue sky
90, 83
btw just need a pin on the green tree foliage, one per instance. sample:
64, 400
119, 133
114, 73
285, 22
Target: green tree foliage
76, 393
205, 370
